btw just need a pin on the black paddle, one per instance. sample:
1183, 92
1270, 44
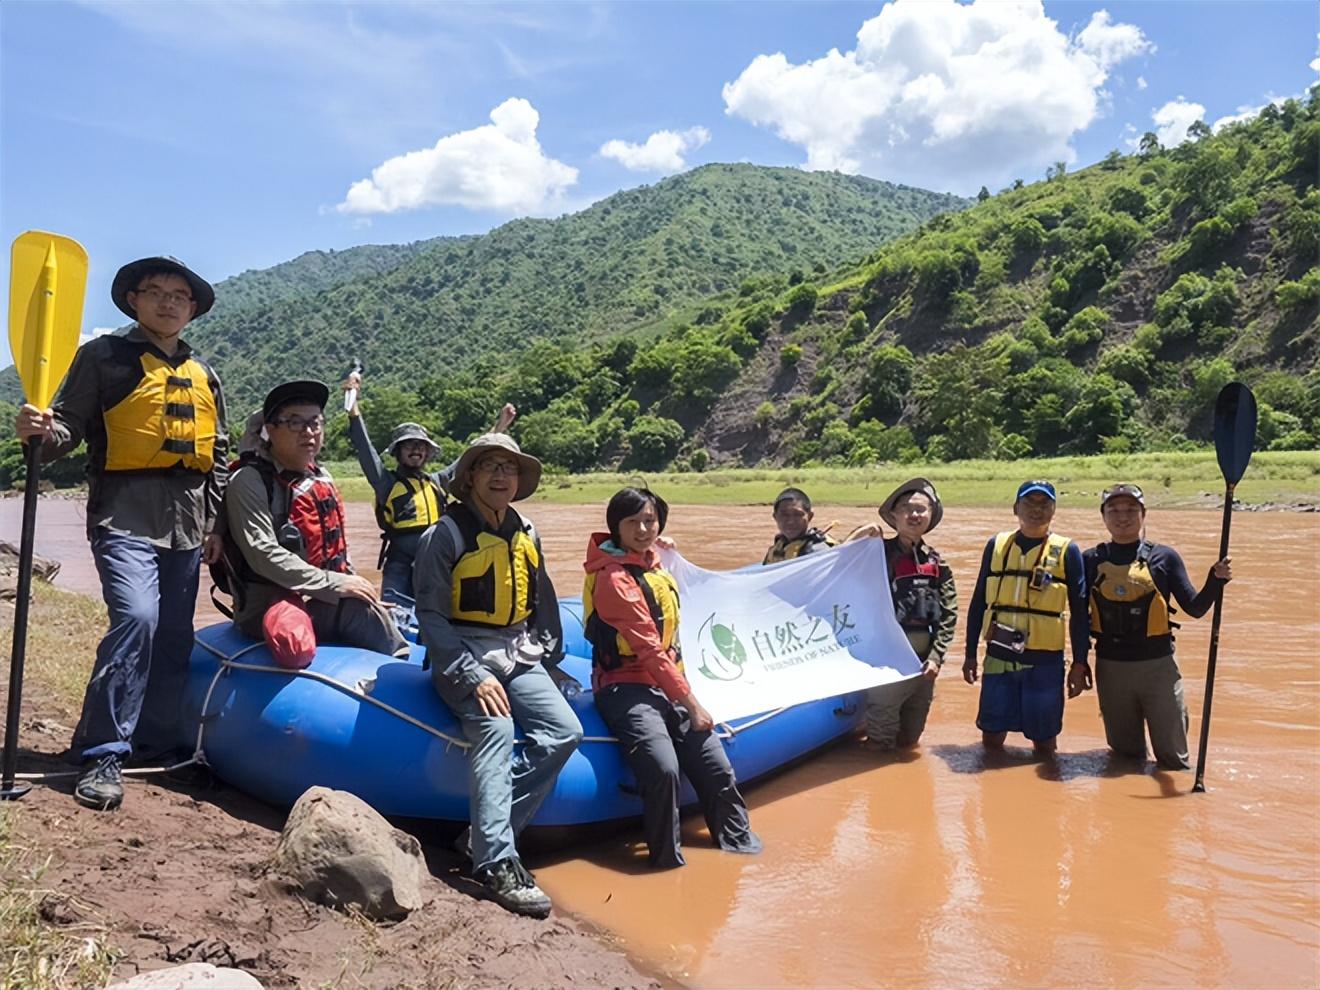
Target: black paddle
1235, 435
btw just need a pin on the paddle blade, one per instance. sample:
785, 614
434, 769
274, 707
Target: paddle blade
1235, 430
47, 282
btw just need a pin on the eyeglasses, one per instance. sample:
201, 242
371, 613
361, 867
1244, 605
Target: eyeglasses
161, 295
498, 467
296, 424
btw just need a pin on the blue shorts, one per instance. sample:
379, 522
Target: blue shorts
1028, 700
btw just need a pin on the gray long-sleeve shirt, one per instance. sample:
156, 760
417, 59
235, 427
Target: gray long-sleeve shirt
170, 510
462, 656
252, 528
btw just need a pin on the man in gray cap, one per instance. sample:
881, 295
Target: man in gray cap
408, 497
153, 417
489, 620
926, 606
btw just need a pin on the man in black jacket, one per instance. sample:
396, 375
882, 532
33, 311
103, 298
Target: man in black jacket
1137, 679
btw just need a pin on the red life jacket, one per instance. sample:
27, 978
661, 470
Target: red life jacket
308, 517
916, 593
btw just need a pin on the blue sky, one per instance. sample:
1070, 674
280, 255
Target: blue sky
239, 135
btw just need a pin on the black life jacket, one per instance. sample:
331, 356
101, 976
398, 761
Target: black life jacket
916, 592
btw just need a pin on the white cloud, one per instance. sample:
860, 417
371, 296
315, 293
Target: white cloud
96, 332
498, 166
1141, 82
662, 152
1173, 119
941, 94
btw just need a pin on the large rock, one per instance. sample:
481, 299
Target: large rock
340, 851
194, 976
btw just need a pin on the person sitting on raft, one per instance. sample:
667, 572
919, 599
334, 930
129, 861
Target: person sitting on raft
489, 619
630, 609
408, 497
286, 549
1130, 581
926, 606
793, 515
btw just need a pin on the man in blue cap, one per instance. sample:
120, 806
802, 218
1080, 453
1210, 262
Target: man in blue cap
1029, 578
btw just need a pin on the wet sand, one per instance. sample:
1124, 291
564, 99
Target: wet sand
937, 868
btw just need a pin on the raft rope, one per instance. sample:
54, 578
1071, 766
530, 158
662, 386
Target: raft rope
228, 663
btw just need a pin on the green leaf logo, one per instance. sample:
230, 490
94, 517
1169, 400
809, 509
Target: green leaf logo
722, 652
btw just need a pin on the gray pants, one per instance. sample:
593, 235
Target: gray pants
896, 713
1140, 694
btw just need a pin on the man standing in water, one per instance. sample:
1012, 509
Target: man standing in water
1130, 581
154, 421
1029, 577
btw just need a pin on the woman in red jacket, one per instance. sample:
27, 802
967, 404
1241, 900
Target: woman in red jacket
630, 606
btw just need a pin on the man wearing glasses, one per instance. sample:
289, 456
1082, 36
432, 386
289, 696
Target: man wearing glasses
1131, 580
153, 417
1029, 578
287, 545
489, 620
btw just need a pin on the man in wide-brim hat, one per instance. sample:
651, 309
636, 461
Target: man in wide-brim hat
489, 620
926, 606
409, 498
153, 417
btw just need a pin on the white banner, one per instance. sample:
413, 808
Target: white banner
768, 637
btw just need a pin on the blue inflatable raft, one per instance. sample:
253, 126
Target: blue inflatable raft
372, 725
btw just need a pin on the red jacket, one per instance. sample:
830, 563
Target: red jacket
619, 602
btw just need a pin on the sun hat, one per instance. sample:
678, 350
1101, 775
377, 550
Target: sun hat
306, 390
410, 431
907, 488
128, 277
529, 468
1027, 487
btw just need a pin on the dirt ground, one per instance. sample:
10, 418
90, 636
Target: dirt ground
180, 874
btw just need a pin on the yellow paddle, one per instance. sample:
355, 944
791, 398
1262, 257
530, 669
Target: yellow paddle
47, 281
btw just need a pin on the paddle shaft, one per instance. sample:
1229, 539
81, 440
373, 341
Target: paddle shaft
19, 650
1199, 786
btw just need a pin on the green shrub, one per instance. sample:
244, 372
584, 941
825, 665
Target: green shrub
801, 300
1301, 293
652, 442
789, 355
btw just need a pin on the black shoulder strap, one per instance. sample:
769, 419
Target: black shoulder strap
468, 524
652, 603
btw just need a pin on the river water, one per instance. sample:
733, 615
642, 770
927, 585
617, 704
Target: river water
938, 868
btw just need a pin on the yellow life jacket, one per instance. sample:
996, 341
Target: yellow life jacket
783, 549
1127, 608
412, 503
168, 421
494, 580
609, 647
1010, 599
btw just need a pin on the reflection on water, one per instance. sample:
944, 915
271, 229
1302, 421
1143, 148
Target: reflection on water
947, 868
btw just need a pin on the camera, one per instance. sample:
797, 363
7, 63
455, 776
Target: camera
1007, 637
1040, 578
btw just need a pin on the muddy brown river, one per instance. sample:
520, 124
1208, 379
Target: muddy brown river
938, 868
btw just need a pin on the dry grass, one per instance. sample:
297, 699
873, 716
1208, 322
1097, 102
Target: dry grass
36, 954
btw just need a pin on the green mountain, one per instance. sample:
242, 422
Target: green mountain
1100, 311
632, 261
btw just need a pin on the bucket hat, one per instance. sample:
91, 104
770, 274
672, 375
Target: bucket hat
529, 468
410, 431
907, 488
128, 277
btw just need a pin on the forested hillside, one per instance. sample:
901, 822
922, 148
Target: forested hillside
638, 259
1096, 311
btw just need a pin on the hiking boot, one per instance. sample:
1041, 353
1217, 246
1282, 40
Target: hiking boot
511, 887
101, 787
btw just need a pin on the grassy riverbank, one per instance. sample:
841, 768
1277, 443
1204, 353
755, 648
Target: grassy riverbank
1170, 480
